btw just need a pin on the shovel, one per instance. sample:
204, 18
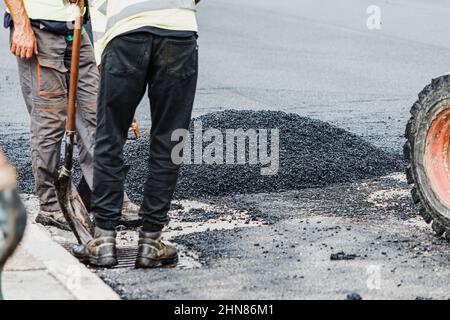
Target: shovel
69, 200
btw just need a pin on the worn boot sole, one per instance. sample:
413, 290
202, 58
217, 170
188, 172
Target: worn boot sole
47, 221
100, 262
147, 263
107, 262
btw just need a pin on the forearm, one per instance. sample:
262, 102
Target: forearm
18, 13
23, 43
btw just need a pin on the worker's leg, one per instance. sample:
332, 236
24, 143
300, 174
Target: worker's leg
88, 81
122, 85
43, 82
172, 89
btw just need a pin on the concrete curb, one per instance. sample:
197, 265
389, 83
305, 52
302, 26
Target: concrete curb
74, 276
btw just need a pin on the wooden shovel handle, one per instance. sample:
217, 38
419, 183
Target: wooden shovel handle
74, 69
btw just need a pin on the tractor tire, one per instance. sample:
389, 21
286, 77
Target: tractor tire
427, 153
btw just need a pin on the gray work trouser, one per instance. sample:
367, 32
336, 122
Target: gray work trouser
44, 80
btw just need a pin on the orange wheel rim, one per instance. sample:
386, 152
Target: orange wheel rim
437, 157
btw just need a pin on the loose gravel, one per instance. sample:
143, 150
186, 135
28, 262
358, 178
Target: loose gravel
312, 154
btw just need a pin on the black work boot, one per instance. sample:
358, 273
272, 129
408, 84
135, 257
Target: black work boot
100, 251
153, 253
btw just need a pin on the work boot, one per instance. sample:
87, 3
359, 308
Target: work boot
130, 214
153, 253
53, 219
100, 251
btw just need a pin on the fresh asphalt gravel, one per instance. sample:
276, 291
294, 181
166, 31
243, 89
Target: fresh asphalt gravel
312, 154
346, 240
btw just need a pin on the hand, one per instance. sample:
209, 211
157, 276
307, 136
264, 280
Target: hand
24, 43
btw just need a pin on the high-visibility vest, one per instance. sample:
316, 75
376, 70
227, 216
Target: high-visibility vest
111, 18
118, 10
55, 10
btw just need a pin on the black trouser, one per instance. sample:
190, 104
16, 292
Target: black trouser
168, 66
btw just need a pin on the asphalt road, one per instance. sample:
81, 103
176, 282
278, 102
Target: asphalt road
318, 59
362, 238
315, 58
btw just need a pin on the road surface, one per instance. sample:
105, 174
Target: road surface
317, 59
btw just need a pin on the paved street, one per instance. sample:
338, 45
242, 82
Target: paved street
317, 59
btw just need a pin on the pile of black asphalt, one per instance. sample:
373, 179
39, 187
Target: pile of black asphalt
312, 153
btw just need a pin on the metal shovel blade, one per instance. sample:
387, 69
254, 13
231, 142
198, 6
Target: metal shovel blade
73, 208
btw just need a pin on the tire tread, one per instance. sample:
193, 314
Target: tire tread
438, 87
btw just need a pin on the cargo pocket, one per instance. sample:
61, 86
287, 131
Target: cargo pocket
51, 76
182, 57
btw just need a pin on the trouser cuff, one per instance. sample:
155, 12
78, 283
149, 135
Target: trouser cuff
105, 224
151, 227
